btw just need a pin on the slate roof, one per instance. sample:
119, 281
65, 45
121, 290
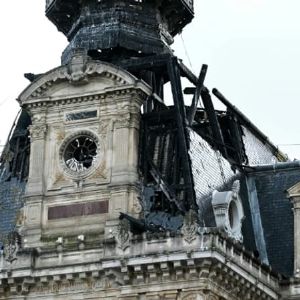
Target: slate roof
14, 165
276, 212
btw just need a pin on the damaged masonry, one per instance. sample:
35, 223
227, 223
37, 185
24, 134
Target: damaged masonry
109, 184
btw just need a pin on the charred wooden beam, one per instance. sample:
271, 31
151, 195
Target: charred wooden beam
160, 117
138, 225
237, 137
168, 192
247, 122
197, 93
174, 75
186, 72
213, 120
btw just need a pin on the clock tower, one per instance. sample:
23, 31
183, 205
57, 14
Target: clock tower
84, 142
86, 115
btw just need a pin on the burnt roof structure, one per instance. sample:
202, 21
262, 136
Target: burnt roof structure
192, 159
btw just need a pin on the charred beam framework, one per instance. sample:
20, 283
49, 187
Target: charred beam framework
222, 129
166, 168
14, 160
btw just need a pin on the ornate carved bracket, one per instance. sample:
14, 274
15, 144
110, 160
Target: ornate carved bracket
228, 211
122, 234
11, 246
190, 226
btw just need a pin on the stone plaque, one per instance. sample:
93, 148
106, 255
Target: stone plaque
77, 210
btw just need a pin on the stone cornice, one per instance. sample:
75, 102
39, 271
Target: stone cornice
105, 94
208, 258
79, 74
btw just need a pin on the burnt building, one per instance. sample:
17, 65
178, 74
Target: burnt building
107, 192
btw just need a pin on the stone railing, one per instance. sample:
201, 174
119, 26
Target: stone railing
143, 260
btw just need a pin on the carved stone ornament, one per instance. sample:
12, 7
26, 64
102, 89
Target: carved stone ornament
78, 71
11, 246
122, 234
77, 68
123, 121
228, 211
190, 226
37, 132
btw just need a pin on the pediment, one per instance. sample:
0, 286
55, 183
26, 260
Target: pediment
75, 80
294, 191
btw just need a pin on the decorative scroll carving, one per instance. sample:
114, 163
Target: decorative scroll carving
190, 226
103, 127
127, 120
11, 246
77, 69
38, 131
123, 121
228, 211
122, 234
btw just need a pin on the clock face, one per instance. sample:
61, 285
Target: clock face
80, 153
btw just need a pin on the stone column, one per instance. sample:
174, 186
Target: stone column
296, 208
35, 186
294, 195
35, 183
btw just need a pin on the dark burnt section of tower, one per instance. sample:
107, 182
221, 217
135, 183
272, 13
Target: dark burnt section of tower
114, 30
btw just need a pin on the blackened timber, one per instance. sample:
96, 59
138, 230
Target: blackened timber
155, 118
137, 225
237, 140
239, 114
213, 120
197, 93
164, 187
174, 75
249, 124
189, 90
186, 72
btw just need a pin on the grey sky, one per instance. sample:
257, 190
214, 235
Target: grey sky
252, 48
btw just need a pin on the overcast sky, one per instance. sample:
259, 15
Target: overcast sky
252, 48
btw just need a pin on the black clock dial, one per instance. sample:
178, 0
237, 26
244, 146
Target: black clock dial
80, 153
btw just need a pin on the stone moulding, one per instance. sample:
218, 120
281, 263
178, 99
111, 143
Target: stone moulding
228, 211
221, 268
124, 82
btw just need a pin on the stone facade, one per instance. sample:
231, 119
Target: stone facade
164, 267
56, 197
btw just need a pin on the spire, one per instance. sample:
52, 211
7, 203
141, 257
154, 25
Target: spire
113, 30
